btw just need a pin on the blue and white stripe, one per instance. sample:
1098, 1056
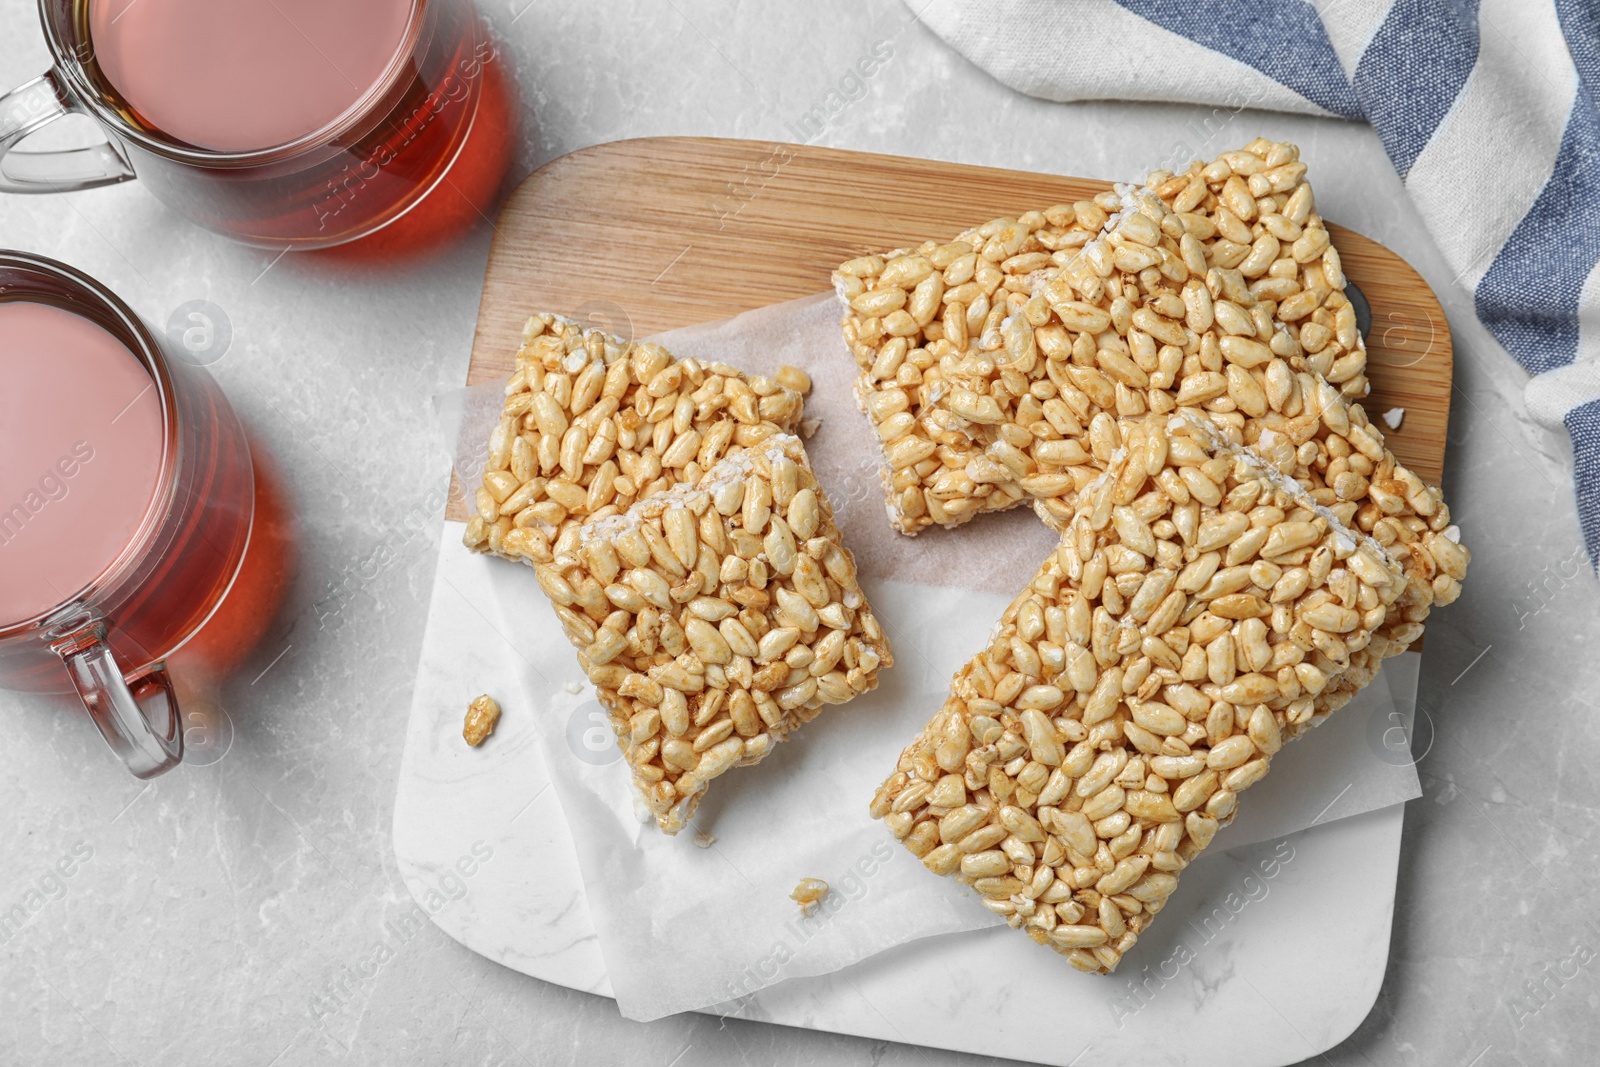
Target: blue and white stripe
1488, 108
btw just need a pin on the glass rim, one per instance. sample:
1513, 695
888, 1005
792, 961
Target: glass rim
15, 268
69, 55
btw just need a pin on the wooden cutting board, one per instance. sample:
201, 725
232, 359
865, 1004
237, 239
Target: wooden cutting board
649, 235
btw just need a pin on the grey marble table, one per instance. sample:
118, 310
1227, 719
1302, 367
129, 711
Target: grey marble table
218, 905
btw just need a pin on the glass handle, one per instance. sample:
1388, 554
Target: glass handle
137, 716
31, 107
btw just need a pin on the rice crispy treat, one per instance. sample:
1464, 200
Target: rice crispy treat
1202, 609
908, 310
592, 424
1236, 251
715, 617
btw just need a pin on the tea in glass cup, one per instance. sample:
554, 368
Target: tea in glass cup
280, 123
127, 505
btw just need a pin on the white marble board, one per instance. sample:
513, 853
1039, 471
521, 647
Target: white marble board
1273, 952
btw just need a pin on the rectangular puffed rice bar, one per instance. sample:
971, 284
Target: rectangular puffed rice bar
1201, 609
714, 618
592, 423
1061, 342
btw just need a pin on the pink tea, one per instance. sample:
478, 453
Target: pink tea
81, 433
394, 89
140, 488
243, 75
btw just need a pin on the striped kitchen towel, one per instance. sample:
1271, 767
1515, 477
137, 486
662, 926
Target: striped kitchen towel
1492, 103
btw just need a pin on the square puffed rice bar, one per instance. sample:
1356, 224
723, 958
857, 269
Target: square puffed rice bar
714, 618
1201, 610
592, 423
1339, 459
1251, 210
910, 309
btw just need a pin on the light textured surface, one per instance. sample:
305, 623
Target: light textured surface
221, 902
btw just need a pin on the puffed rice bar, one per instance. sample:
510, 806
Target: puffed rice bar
1201, 610
907, 310
714, 618
1157, 312
592, 423
978, 409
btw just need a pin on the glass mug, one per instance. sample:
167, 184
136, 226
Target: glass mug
114, 633
414, 106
